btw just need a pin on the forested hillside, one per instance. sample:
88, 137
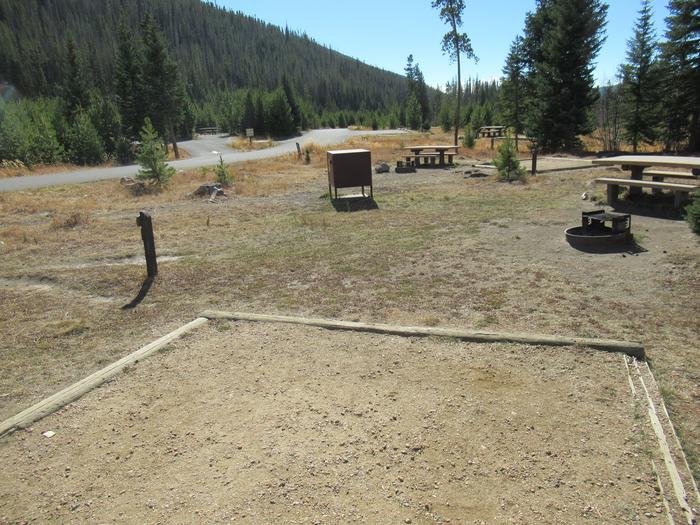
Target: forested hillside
215, 50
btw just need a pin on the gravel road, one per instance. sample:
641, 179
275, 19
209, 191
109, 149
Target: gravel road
205, 152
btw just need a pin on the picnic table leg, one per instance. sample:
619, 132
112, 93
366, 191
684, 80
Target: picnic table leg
442, 158
613, 190
679, 198
637, 174
656, 178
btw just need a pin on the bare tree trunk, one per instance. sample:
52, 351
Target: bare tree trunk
176, 150
459, 84
458, 113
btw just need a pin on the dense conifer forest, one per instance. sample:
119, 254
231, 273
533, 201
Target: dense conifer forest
215, 49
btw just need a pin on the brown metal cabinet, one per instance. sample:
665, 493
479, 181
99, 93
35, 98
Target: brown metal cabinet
349, 168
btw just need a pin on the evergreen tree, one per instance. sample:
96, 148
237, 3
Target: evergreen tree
27, 133
105, 117
77, 90
454, 44
681, 52
413, 112
164, 92
260, 123
512, 89
279, 116
82, 141
445, 118
418, 88
422, 96
562, 38
128, 83
152, 156
640, 82
507, 163
293, 104
223, 176
248, 116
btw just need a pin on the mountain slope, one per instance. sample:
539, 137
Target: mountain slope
216, 49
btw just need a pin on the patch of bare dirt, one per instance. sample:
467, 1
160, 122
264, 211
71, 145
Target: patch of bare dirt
258, 423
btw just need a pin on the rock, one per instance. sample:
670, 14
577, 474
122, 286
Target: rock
209, 190
382, 167
136, 187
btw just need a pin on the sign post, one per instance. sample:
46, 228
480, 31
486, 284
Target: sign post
250, 133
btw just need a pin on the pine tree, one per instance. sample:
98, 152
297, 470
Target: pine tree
164, 92
293, 104
423, 99
152, 156
512, 89
260, 122
82, 141
640, 82
682, 56
279, 115
105, 116
418, 89
562, 38
454, 44
128, 83
413, 112
507, 163
248, 117
77, 89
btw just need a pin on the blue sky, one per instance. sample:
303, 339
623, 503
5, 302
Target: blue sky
384, 32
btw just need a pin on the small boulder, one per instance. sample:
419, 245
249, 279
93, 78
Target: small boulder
382, 167
209, 190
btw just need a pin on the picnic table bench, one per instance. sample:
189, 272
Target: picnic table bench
660, 175
638, 164
680, 191
433, 153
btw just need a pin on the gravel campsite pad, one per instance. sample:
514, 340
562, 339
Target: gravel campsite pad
263, 423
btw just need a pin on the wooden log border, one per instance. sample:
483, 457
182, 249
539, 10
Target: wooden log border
609, 345
76, 390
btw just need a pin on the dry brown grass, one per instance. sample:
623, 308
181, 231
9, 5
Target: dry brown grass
184, 154
244, 144
17, 169
594, 143
71, 220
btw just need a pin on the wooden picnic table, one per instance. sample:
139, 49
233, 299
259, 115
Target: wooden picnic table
492, 131
439, 149
638, 163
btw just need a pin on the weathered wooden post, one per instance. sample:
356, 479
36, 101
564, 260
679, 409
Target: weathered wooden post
534, 161
298, 151
149, 243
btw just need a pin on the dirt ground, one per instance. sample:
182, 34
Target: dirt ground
441, 249
262, 423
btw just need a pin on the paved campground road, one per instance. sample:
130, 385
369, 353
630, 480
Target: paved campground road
204, 152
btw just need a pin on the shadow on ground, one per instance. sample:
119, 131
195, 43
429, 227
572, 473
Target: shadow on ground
350, 204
